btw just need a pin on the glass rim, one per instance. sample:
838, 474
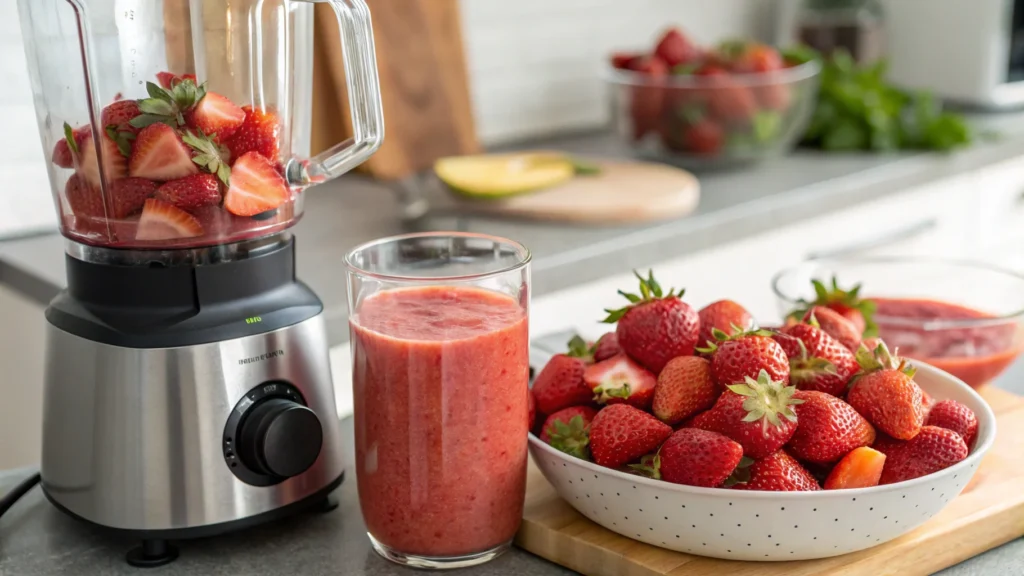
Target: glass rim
783, 76
903, 321
524, 258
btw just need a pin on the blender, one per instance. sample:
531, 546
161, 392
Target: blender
187, 388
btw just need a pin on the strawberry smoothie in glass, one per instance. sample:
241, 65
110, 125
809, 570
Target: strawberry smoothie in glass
440, 375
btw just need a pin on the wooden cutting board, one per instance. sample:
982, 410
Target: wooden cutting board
623, 192
989, 512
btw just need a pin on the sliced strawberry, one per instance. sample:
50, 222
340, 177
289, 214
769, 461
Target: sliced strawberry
115, 165
159, 154
861, 468
259, 132
168, 80
128, 195
84, 200
255, 186
64, 153
620, 380
217, 116
161, 221
191, 192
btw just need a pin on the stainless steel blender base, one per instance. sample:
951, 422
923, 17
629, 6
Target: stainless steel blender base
136, 439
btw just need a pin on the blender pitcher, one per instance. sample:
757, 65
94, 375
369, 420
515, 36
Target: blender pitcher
186, 123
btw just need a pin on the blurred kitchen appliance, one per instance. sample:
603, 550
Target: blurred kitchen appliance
969, 52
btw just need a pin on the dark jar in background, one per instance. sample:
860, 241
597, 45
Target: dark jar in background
857, 26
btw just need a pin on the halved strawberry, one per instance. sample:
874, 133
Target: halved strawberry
159, 154
161, 221
115, 165
84, 200
255, 186
168, 80
620, 380
128, 195
217, 116
259, 132
191, 192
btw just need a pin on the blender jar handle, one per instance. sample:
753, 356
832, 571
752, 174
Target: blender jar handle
363, 100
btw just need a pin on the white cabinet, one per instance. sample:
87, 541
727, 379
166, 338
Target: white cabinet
1000, 214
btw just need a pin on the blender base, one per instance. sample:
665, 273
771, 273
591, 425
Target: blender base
152, 553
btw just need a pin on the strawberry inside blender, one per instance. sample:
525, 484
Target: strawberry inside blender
185, 167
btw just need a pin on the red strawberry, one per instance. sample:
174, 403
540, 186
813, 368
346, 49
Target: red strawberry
621, 433
83, 199
778, 472
705, 421
751, 57
693, 457
728, 100
758, 414
606, 347
259, 132
886, 394
847, 303
115, 165
531, 404
568, 430
621, 380
646, 100
816, 360
931, 450
161, 221
740, 356
835, 326
623, 60
159, 154
675, 49
168, 80
705, 138
255, 186
117, 117
724, 315
952, 415
861, 468
191, 192
560, 383
655, 327
685, 387
217, 116
927, 402
128, 195
63, 153
829, 428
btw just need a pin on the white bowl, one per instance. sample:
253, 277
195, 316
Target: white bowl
741, 525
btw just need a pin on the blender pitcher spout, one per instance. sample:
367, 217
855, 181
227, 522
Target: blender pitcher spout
364, 99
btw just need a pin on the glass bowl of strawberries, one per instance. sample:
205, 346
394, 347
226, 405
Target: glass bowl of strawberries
966, 318
698, 431
701, 107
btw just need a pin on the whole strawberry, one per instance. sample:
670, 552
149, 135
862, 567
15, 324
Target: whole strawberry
621, 380
191, 192
655, 327
568, 430
620, 434
778, 472
952, 415
724, 315
693, 457
816, 360
560, 383
829, 428
684, 388
835, 325
846, 303
757, 413
885, 393
127, 195
606, 347
740, 356
931, 450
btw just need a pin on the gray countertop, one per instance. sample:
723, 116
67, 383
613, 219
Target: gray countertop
36, 540
344, 213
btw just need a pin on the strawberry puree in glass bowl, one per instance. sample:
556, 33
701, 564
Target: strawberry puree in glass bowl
962, 317
440, 371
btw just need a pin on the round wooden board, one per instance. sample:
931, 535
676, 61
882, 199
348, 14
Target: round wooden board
624, 191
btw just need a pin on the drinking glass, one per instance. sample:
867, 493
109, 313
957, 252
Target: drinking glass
440, 376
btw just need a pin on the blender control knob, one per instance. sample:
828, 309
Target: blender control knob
280, 438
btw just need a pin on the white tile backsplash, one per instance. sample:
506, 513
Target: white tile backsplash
535, 65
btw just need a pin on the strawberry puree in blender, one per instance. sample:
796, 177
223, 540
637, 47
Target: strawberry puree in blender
440, 383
